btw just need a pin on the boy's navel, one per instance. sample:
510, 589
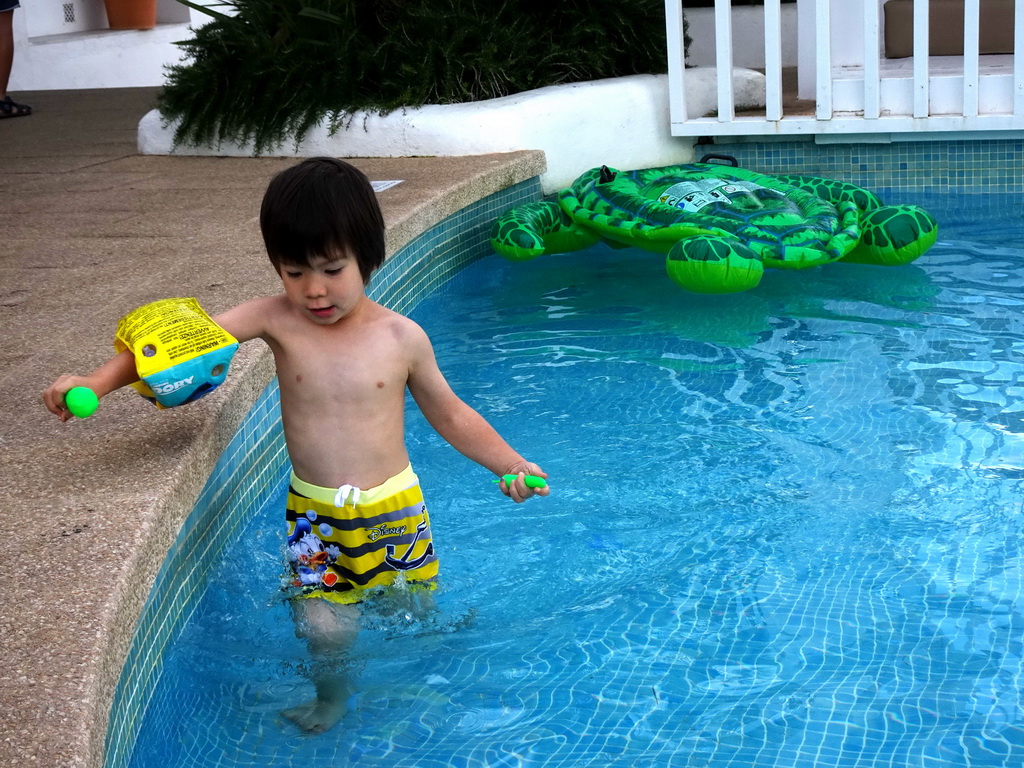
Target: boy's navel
298, 378
380, 385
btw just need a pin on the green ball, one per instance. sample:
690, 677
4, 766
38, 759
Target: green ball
82, 402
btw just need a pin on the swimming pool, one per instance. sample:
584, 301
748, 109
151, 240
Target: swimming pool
785, 530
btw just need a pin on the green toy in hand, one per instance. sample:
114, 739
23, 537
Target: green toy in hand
532, 481
81, 401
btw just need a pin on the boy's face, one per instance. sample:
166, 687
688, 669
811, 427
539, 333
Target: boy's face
327, 290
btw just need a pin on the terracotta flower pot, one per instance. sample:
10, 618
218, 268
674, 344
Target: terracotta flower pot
131, 14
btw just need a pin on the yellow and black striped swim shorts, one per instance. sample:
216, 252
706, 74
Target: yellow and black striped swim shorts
342, 541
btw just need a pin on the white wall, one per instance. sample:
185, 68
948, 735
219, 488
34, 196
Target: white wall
66, 45
847, 31
747, 36
846, 39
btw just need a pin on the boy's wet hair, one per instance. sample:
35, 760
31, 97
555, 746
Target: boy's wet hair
321, 208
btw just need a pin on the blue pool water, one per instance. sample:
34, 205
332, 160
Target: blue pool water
786, 530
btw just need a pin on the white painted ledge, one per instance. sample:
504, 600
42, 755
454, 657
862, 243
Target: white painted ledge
622, 122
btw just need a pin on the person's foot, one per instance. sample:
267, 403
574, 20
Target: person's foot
10, 108
318, 715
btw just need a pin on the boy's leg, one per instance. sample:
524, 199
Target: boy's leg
329, 629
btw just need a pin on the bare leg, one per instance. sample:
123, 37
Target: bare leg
6, 49
330, 629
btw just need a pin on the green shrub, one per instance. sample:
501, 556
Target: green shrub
266, 70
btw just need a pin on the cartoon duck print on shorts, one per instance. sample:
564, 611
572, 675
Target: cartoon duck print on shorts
310, 557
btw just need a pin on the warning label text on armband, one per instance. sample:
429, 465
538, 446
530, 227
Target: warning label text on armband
167, 333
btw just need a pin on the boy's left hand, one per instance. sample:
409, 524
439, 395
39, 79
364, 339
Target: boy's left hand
517, 490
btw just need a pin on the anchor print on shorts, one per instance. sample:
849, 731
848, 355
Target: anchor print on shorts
404, 563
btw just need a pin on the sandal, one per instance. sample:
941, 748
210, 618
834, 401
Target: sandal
10, 108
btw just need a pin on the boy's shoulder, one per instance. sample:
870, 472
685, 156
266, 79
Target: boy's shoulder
401, 329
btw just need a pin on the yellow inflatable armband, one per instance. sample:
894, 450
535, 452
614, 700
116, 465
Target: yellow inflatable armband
180, 353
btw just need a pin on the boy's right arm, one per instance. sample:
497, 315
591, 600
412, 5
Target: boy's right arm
119, 371
244, 322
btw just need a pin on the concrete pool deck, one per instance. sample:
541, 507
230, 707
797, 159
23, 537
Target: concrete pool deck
91, 230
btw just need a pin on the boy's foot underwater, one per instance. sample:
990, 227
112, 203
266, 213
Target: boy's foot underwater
319, 715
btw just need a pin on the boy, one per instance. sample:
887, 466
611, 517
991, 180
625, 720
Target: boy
355, 511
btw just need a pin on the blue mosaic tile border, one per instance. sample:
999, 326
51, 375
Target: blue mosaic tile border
900, 171
254, 464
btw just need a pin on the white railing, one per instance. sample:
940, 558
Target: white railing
845, 82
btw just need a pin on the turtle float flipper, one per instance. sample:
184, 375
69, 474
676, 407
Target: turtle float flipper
894, 235
712, 264
530, 230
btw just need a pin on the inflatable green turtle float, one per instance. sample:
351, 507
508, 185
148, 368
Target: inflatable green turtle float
719, 226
